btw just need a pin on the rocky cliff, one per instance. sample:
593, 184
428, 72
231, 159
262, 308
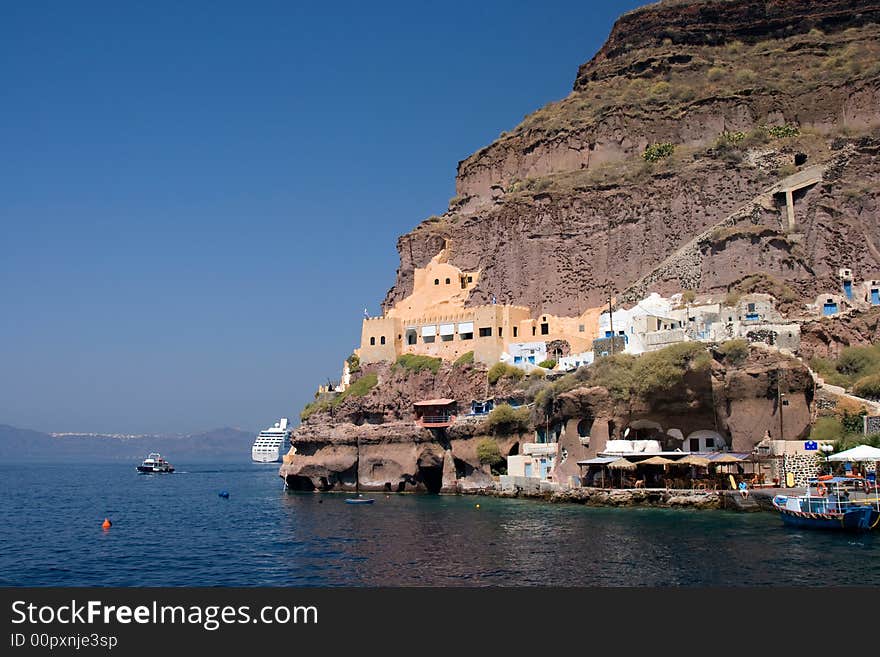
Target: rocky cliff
563, 210
372, 442
706, 142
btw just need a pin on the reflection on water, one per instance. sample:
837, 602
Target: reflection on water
175, 530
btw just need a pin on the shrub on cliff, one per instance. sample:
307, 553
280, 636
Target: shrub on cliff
734, 352
827, 428
656, 152
659, 371
783, 131
354, 363
320, 405
415, 363
504, 420
326, 402
489, 453
465, 359
868, 387
358, 389
502, 370
548, 364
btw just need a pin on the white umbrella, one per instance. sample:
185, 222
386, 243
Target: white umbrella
858, 454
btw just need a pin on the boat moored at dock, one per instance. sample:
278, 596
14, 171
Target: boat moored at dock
838, 503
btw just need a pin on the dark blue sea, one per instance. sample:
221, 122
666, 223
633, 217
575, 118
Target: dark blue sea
174, 530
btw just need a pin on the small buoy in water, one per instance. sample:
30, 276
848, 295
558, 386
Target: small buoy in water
320, 501
477, 506
224, 494
106, 524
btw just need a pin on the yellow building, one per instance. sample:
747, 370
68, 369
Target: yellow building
434, 321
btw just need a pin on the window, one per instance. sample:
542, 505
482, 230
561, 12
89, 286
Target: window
382, 340
710, 442
751, 308
436, 281
695, 444
545, 328
466, 336
372, 341
500, 331
486, 332
581, 328
534, 330
448, 281
470, 279
515, 331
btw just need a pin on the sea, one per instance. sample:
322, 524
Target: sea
176, 530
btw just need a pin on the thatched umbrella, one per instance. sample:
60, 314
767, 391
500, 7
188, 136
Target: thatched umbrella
656, 460
726, 458
621, 464
693, 459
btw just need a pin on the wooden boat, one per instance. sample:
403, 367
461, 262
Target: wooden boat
838, 503
359, 500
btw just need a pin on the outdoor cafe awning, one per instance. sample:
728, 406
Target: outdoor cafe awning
599, 460
622, 464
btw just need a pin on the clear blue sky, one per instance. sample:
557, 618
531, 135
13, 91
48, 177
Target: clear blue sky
198, 199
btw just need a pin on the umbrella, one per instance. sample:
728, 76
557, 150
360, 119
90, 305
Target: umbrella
656, 460
858, 454
726, 458
692, 459
622, 464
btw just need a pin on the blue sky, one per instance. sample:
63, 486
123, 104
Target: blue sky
197, 200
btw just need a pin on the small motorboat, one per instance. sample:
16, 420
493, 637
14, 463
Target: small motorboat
359, 500
155, 463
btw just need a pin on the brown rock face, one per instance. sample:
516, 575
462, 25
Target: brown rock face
562, 211
826, 338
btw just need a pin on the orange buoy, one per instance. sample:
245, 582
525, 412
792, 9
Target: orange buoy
106, 524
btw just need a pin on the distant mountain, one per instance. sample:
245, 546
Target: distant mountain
225, 445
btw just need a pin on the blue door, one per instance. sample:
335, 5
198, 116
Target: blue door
875, 297
847, 289
528, 469
829, 309
544, 469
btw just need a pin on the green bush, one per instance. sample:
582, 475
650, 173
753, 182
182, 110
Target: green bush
354, 363
663, 370
734, 352
415, 363
465, 359
548, 364
868, 387
318, 406
688, 296
828, 428
358, 389
656, 152
783, 131
504, 419
857, 361
329, 401
489, 453
502, 370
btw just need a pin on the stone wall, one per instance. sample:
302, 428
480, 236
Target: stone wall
804, 467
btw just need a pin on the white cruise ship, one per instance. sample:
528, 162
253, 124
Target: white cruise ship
272, 443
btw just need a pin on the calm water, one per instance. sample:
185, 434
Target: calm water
174, 530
